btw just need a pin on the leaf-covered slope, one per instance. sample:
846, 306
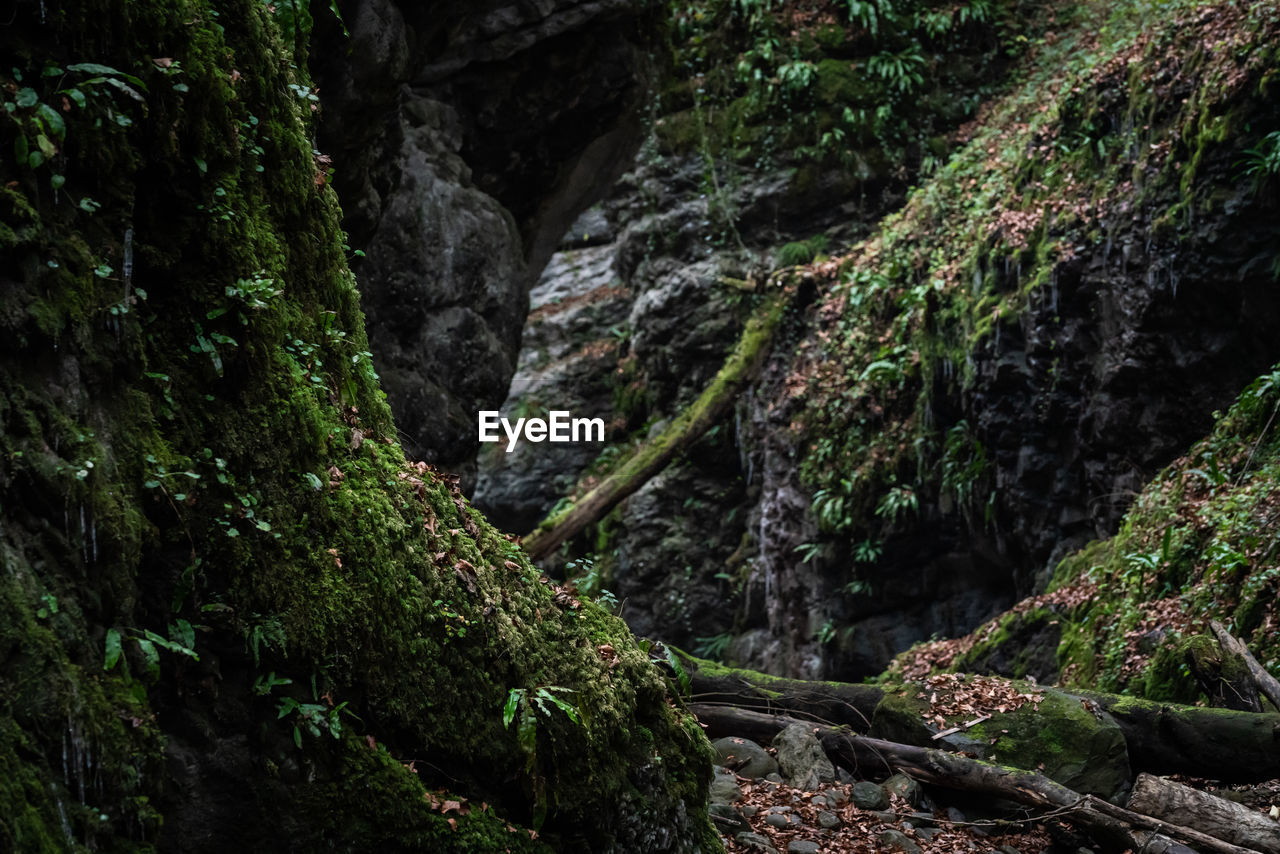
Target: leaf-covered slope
1053, 314
202, 489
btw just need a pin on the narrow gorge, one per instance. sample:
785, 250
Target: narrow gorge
934, 348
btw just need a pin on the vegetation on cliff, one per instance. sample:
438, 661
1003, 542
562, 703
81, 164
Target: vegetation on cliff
231, 610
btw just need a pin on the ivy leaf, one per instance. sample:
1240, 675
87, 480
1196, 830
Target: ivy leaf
27, 97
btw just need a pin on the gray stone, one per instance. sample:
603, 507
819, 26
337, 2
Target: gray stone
828, 819
745, 757
954, 814
755, 843
724, 788
836, 796
773, 778
905, 788
783, 820
727, 819
896, 840
869, 796
801, 759
927, 833
920, 819
803, 846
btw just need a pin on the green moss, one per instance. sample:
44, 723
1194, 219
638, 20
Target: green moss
229, 489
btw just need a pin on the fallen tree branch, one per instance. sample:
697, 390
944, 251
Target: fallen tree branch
1162, 738
874, 757
653, 456
1232, 645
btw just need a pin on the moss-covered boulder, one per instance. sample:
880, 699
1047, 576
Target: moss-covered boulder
233, 616
1068, 739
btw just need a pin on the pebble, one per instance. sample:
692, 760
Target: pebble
828, 819
803, 846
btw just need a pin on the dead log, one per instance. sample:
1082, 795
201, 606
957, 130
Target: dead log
1166, 738
653, 456
838, 702
1231, 645
1227, 820
866, 756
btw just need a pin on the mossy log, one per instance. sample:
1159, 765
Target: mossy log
841, 702
871, 757
1227, 820
653, 456
1161, 738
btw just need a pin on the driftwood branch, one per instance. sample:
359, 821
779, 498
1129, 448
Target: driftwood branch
653, 456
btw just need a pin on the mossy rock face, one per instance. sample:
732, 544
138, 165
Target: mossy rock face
218, 571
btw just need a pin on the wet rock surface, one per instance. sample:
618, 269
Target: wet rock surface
467, 139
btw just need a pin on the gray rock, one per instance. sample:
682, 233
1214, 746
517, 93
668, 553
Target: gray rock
745, 757
896, 840
905, 788
755, 843
773, 778
828, 819
836, 796
927, 833
803, 846
920, 819
783, 820
727, 819
869, 796
724, 788
801, 759
954, 814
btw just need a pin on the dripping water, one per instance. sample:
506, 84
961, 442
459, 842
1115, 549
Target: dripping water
84, 536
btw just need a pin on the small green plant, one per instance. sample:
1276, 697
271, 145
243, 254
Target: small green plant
714, 646
265, 684
264, 633
315, 718
808, 551
827, 633
896, 504
523, 707
181, 641
1262, 161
